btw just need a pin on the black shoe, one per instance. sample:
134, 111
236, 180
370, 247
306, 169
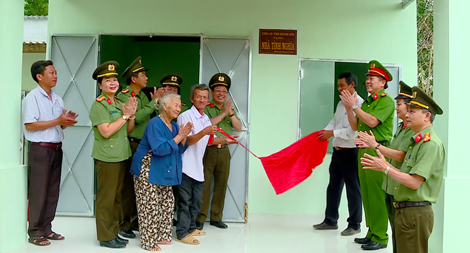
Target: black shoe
324, 226
200, 225
219, 224
373, 246
364, 240
350, 231
135, 228
127, 234
115, 244
122, 240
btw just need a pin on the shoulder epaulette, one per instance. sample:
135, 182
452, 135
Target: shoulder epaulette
125, 91
384, 94
100, 98
427, 137
183, 104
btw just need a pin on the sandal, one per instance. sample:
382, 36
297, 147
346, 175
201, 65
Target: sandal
189, 240
37, 241
198, 232
55, 237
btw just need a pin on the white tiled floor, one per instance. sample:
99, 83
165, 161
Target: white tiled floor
263, 233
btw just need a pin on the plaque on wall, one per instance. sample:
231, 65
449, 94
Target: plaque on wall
274, 41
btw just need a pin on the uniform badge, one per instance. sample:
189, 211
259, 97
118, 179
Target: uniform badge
125, 91
372, 65
140, 61
111, 67
221, 78
384, 94
210, 104
108, 100
404, 127
375, 96
174, 79
132, 93
418, 138
100, 98
415, 94
427, 137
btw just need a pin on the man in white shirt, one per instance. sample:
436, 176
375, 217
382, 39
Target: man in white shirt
343, 166
190, 190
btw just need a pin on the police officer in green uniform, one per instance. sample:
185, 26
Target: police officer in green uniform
172, 83
217, 157
396, 152
420, 177
376, 115
135, 75
112, 121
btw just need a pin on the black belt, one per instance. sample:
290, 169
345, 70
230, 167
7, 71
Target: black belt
56, 146
341, 148
134, 139
218, 146
404, 204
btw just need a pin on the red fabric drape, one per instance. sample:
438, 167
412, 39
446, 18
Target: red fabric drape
292, 165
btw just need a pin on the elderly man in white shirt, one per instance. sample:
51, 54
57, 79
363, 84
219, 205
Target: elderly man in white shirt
190, 190
343, 166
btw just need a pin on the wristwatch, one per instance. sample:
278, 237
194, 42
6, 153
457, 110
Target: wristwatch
354, 107
124, 117
378, 146
387, 170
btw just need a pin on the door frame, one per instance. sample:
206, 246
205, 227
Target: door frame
387, 65
247, 158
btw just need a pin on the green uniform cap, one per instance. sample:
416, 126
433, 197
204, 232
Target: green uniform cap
422, 100
171, 80
377, 69
135, 67
220, 79
106, 69
405, 91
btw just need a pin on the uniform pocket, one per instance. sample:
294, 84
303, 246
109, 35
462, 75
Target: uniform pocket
111, 149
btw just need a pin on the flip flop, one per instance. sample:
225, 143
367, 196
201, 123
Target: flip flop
189, 240
37, 241
198, 232
56, 237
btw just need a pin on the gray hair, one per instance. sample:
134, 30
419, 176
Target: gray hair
166, 99
199, 87
433, 116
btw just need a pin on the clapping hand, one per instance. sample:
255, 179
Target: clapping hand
158, 93
185, 130
67, 118
228, 106
348, 99
374, 163
130, 107
366, 140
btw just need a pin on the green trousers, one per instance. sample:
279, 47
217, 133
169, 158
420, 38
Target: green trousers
414, 226
110, 176
216, 166
373, 198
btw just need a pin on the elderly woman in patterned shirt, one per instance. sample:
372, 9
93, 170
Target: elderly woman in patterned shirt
157, 166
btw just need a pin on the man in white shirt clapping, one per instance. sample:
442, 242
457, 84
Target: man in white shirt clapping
343, 167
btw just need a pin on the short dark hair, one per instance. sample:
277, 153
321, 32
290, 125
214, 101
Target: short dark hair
38, 68
433, 116
407, 100
349, 77
129, 79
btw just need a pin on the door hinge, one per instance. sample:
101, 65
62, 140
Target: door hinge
246, 212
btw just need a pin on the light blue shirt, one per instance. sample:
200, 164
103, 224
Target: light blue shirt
37, 106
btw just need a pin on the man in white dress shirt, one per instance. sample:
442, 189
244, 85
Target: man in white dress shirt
343, 166
190, 190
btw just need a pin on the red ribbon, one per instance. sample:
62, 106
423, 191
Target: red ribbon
211, 140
